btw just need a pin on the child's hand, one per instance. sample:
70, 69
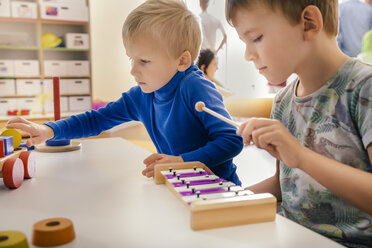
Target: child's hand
38, 133
272, 136
157, 158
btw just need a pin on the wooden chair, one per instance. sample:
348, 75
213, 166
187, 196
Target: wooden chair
249, 107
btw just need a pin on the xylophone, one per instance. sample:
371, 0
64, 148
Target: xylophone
214, 202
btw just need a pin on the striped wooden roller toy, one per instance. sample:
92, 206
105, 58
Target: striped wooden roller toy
16, 163
17, 166
213, 201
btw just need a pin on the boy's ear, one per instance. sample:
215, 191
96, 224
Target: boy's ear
202, 68
312, 20
184, 61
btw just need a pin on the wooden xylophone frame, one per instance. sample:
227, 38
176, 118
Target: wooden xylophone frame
221, 212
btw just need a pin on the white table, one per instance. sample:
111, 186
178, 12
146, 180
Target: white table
101, 189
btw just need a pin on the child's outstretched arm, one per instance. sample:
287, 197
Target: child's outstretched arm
350, 184
38, 133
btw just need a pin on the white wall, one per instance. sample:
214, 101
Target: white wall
110, 65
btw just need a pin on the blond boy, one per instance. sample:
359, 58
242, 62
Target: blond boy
162, 39
321, 126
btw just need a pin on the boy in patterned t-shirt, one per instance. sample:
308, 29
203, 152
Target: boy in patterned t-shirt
321, 126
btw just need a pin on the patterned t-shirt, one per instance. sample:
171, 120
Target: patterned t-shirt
335, 121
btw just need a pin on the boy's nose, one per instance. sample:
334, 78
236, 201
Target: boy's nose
133, 71
249, 55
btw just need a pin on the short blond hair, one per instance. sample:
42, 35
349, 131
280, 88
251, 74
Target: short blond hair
170, 22
292, 10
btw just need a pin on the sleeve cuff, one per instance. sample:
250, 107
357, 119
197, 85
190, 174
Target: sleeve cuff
367, 139
194, 156
52, 126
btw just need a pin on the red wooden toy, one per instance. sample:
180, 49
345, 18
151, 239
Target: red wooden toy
16, 166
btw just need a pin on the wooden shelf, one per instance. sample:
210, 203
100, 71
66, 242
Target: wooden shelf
64, 49
47, 21
32, 48
25, 96
67, 77
14, 19
24, 48
87, 94
18, 96
19, 77
45, 77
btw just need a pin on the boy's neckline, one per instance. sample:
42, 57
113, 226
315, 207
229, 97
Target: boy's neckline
325, 85
167, 91
313, 86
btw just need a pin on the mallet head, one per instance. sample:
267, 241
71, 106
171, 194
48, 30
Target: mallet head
199, 106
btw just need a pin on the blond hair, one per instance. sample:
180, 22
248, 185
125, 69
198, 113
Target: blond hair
292, 10
170, 22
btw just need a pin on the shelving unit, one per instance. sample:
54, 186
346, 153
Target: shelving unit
29, 47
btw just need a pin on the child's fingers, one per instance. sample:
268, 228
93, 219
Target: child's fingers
164, 160
152, 158
148, 171
150, 174
258, 133
36, 140
267, 140
246, 135
17, 120
33, 141
257, 124
241, 128
24, 127
29, 143
268, 143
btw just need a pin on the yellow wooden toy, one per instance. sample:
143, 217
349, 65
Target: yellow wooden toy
17, 138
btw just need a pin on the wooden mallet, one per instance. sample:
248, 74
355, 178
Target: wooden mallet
200, 107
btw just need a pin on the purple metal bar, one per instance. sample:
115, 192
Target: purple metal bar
191, 174
204, 191
199, 182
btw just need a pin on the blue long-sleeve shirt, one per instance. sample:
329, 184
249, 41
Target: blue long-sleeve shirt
171, 120
355, 19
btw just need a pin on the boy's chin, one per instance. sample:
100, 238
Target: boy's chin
146, 90
275, 81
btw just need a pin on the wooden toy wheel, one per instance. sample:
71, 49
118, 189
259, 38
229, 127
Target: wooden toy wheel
13, 173
29, 163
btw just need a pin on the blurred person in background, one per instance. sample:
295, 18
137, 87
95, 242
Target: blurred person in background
355, 20
210, 25
366, 54
208, 64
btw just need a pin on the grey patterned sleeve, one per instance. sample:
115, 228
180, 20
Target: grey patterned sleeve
364, 112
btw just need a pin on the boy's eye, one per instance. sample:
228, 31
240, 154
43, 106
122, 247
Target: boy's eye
144, 61
259, 38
